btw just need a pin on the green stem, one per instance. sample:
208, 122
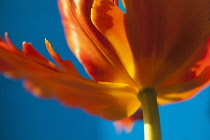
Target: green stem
150, 113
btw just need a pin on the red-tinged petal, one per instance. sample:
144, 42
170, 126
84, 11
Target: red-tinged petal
164, 34
29, 50
114, 2
187, 81
204, 62
190, 68
113, 29
184, 90
109, 100
13, 63
65, 65
91, 48
128, 123
11, 45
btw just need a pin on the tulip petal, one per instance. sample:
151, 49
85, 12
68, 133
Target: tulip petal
113, 29
186, 82
65, 65
91, 48
184, 90
114, 1
189, 71
164, 34
128, 123
111, 101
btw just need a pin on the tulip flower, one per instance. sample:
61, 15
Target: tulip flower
156, 53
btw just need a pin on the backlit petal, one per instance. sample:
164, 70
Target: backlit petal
188, 81
113, 29
128, 123
91, 48
191, 68
184, 90
111, 101
114, 1
65, 65
164, 34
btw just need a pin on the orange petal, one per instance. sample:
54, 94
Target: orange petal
191, 68
31, 52
91, 48
65, 65
164, 34
113, 29
109, 100
114, 1
184, 90
128, 123
187, 81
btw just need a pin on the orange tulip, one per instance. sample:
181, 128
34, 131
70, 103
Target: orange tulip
163, 45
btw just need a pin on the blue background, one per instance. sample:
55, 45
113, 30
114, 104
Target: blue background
24, 117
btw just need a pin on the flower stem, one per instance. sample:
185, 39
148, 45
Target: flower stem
150, 113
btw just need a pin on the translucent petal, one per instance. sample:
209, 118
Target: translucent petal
91, 48
111, 101
164, 34
113, 29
